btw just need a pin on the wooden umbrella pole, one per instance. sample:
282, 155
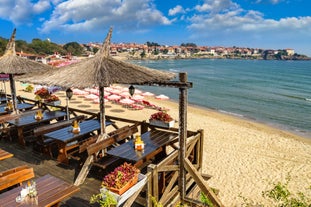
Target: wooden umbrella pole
13, 93
102, 110
87, 164
183, 102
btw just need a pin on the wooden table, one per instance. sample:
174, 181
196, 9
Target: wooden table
20, 106
64, 136
27, 119
51, 191
4, 99
154, 141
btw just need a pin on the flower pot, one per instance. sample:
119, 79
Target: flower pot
142, 180
127, 186
54, 103
161, 123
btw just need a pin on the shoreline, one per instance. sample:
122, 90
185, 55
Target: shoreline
231, 117
304, 136
243, 156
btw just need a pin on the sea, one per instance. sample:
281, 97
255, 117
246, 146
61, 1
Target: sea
276, 93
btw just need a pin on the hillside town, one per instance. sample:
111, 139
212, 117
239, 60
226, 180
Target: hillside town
154, 51
141, 51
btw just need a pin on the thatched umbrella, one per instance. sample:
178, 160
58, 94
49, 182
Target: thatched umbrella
101, 71
12, 64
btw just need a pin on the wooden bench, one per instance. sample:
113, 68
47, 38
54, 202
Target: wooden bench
76, 150
44, 145
15, 176
4, 154
114, 138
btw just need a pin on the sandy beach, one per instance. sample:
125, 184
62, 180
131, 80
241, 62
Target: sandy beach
243, 157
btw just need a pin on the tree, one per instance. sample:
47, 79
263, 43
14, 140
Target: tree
22, 46
74, 48
143, 54
3, 43
188, 45
45, 47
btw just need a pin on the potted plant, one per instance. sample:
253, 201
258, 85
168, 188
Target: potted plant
162, 119
104, 199
43, 93
121, 178
52, 99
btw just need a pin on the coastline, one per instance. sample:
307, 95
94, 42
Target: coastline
243, 156
126, 56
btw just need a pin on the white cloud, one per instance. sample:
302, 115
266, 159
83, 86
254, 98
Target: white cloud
22, 11
269, 1
41, 6
84, 15
232, 25
176, 10
215, 6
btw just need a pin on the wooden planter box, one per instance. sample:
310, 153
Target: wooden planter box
161, 123
127, 186
142, 180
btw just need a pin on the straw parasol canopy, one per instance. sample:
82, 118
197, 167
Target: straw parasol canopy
12, 64
101, 70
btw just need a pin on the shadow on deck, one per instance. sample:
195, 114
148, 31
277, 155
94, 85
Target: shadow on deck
42, 165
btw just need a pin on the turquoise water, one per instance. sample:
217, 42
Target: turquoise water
277, 93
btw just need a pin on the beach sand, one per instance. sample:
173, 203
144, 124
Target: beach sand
243, 157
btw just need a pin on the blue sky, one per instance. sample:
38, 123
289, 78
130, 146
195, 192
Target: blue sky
266, 24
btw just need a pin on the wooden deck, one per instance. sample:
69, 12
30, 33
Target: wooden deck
42, 165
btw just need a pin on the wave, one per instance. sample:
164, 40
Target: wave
308, 99
294, 97
174, 70
231, 113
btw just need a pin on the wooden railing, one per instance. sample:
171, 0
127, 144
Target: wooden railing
162, 177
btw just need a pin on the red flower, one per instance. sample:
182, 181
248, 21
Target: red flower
161, 116
120, 176
52, 98
43, 93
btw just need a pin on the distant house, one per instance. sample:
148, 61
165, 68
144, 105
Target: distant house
38, 58
290, 52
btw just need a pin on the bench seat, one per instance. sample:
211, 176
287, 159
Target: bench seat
114, 138
15, 176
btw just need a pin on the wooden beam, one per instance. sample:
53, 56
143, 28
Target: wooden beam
87, 165
201, 183
175, 84
183, 102
131, 200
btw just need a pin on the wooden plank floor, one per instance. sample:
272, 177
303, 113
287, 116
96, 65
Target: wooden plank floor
43, 165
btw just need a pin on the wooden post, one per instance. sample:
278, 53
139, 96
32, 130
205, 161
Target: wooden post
102, 110
143, 127
150, 173
183, 102
88, 163
200, 151
13, 93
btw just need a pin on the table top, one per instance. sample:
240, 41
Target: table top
29, 118
4, 99
65, 134
51, 191
153, 140
20, 106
